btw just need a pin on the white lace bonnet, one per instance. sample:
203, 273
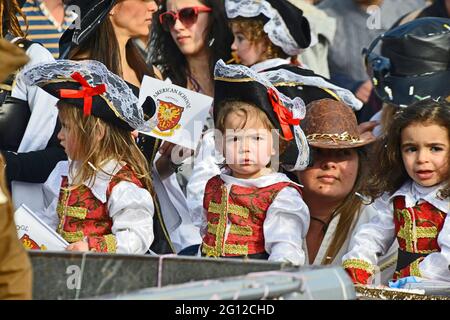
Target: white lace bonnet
277, 28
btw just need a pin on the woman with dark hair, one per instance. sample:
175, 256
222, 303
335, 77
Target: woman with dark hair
334, 182
191, 36
28, 127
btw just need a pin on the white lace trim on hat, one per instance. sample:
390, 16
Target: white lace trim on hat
275, 28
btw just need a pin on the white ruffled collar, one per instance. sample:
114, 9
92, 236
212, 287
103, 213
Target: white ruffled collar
102, 179
414, 192
269, 63
259, 182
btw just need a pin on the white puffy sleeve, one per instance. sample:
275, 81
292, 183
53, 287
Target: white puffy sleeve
285, 227
205, 167
131, 209
436, 265
374, 238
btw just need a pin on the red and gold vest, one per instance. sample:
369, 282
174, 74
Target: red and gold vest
417, 230
82, 215
245, 208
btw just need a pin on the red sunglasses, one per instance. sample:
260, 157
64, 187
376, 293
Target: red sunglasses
187, 16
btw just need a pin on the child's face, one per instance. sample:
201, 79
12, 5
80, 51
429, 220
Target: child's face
248, 52
249, 150
425, 153
67, 138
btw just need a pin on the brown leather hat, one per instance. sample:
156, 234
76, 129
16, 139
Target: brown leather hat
331, 124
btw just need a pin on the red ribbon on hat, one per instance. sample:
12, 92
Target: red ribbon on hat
86, 92
285, 117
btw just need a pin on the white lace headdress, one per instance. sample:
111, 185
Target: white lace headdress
285, 76
275, 28
118, 94
296, 105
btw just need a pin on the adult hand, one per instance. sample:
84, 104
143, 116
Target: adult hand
171, 156
11, 58
78, 246
364, 91
367, 126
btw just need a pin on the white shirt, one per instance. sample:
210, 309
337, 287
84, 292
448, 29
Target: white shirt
376, 236
286, 222
129, 206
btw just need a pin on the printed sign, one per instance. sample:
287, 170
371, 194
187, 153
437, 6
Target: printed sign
35, 234
181, 113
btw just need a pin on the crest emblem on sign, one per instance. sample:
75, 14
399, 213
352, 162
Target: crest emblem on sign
30, 244
169, 115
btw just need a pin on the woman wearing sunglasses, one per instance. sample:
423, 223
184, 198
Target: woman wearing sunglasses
105, 33
191, 36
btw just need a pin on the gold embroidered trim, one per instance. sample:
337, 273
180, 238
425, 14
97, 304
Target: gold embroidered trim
74, 212
111, 243
359, 264
236, 249
406, 231
430, 232
414, 268
220, 209
72, 236
212, 228
60, 209
241, 230
208, 250
238, 211
345, 136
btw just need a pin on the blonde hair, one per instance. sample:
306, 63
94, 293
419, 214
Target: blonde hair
253, 31
91, 152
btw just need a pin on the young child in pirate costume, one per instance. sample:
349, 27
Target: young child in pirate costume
251, 210
102, 195
412, 178
268, 36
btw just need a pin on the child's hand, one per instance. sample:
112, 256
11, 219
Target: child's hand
78, 246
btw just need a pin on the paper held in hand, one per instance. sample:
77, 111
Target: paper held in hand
181, 113
35, 234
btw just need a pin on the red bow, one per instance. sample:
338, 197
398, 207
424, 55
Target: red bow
87, 92
285, 116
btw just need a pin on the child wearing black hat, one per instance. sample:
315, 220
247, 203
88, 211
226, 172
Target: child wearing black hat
251, 210
268, 36
104, 202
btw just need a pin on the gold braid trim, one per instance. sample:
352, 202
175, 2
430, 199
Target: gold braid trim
241, 230
345, 136
212, 228
406, 232
74, 212
236, 249
72, 236
60, 209
238, 211
414, 268
430, 232
111, 243
220, 209
359, 264
208, 250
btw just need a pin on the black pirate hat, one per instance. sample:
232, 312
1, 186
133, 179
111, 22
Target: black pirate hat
91, 15
285, 25
90, 86
414, 63
239, 83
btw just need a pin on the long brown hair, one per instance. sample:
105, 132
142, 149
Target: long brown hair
9, 9
103, 46
349, 209
389, 172
116, 144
